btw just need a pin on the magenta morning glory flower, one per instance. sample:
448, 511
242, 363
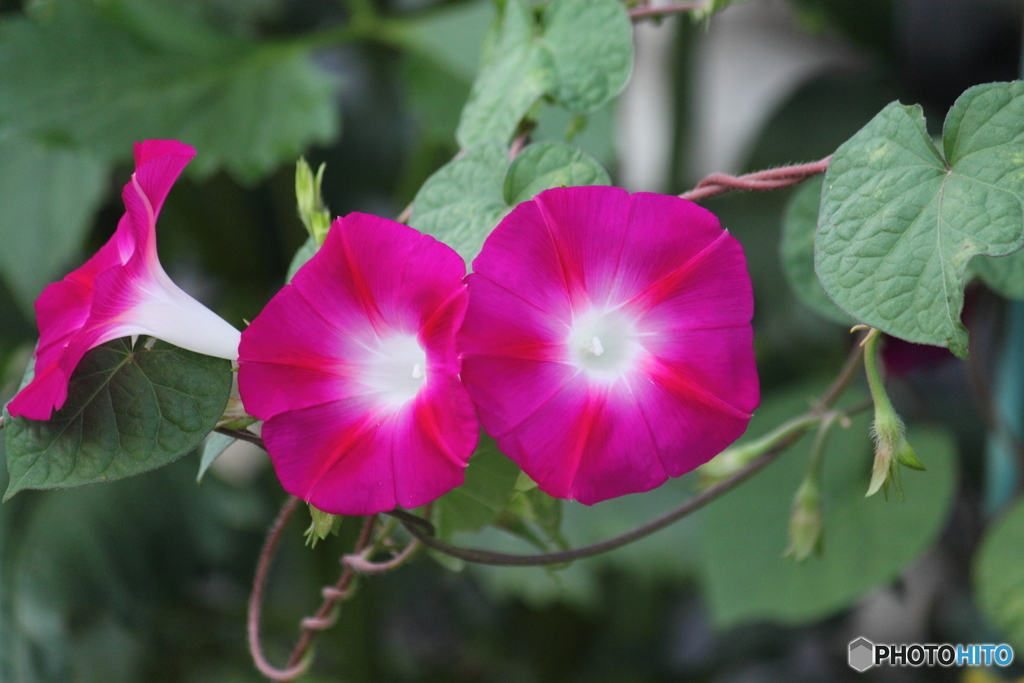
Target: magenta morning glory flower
354, 369
607, 345
121, 291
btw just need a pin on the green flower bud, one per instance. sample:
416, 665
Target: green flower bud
312, 211
806, 523
891, 447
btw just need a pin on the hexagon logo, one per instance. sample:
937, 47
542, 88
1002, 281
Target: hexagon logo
862, 655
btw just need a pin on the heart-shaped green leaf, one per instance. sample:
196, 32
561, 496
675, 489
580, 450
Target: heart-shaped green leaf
580, 52
899, 222
466, 198
129, 410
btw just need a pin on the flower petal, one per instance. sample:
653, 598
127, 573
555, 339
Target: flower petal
615, 353
355, 369
520, 256
122, 290
336, 456
587, 444
363, 274
296, 359
432, 442
663, 233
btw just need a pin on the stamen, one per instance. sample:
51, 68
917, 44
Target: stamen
595, 347
417, 371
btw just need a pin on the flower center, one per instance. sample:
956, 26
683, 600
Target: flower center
603, 344
397, 369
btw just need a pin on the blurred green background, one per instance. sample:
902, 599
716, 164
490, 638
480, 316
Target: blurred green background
146, 579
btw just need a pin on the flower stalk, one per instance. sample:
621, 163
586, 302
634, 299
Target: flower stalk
807, 521
735, 458
891, 446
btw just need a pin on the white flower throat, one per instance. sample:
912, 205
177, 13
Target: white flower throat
397, 369
603, 344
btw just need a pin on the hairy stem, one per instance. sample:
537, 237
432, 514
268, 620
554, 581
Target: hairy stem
771, 179
324, 617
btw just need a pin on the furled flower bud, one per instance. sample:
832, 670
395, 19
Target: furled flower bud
312, 211
806, 522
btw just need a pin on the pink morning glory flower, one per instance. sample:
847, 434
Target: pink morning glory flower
121, 291
607, 345
353, 368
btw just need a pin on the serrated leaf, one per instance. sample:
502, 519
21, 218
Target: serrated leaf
214, 445
544, 165
867, 541
47, 200
103, 75
899, 223
998, 581
580, 52
463, 201
490, 480
128, 411
799, 224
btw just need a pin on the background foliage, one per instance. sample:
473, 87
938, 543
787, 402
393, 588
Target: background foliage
146, 578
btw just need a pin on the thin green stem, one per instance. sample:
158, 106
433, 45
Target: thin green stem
814, 465
875, 383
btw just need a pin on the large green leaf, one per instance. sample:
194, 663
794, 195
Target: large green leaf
466, 198
580, 52
799, 224
103, 75
490, 481
463, 201
899, 222
129, 410
868, 541
998, 579
544, 165
47, 200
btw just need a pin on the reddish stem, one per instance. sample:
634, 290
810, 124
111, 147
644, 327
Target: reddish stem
310, 625
518, 144
363, 565
772, 179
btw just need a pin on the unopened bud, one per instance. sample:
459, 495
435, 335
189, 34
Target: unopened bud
312, 211
806, 523
891, 451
